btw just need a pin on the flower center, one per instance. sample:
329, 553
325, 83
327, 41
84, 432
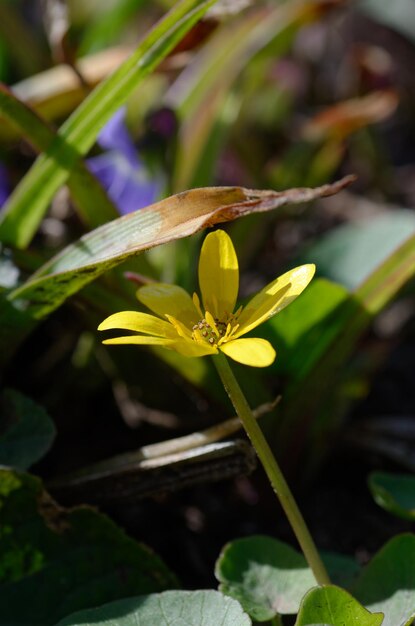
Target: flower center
210, 333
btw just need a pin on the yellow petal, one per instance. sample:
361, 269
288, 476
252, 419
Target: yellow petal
274, 297
162, 298
139, 322
181, 329
192, 348
196, 302
141, 340
251, 351
183, 346
218, 274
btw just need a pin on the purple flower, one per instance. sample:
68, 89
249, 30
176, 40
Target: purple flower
115, 136
120, 170
127, 185
4, 185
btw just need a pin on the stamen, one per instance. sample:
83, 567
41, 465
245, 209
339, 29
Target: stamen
197, 336
213, 330
181, 329
211, 322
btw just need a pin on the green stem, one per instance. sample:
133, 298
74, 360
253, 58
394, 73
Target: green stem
272, 469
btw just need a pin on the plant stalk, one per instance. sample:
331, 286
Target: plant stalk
272, 469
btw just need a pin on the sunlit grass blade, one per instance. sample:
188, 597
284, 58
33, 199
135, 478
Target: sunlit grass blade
94, 206
27, 205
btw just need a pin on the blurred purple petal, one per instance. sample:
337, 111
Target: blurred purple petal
115, 136
120, 170
127, 185
4, 185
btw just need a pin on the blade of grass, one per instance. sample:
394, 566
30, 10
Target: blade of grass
93, 203
29, 202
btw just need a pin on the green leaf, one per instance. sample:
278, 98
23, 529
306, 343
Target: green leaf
351, 252
387, 583
332, 606
394, 493
171, 608
268, 577
26, 430
78, 133
54, 562
265, 575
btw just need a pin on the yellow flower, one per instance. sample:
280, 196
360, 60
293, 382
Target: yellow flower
183, 325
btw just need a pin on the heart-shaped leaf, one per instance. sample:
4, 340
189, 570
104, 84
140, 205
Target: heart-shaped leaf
55, 561
394, 493
171, 608
332, 606
26, 430
387, 583
269, 577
